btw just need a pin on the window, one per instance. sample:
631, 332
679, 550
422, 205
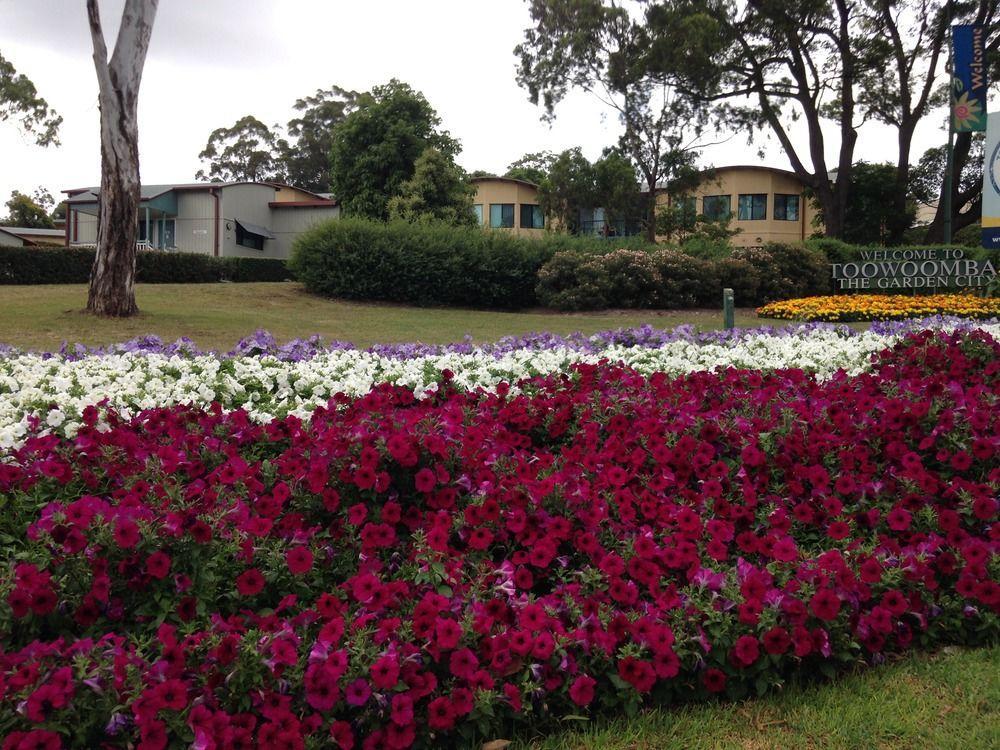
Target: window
716, 206
786, 207
753, 206
531, 216
477, 211
501, 215
248, 239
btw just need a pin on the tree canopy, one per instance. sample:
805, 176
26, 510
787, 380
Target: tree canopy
19, 101
306, 160
531, 167
572, 184
246, 151
376, 147
819, 67
438, 191
604, 48
29, 211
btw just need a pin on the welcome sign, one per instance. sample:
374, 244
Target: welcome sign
968, 85
914, 268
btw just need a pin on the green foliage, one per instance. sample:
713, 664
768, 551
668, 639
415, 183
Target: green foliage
376, 147
667, 278
686, 281
615, 183
573, 184
306, 162
604, 48
19, 100
422, 264
533, 167
786, 271
871, 219
437, 191
27, 211
569, 187
71, 265
572, 281
247, 151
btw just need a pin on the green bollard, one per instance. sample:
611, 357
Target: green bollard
728, 310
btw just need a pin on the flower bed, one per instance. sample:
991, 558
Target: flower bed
401, 572
846, 308
51, 391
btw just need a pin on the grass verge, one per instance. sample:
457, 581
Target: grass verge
945, 700
217, 315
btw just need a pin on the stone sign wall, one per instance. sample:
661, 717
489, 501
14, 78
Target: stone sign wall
914, 268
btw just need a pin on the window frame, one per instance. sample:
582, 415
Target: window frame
783, 199
537, 218
753, 207
717, 216
503, 217
242, 235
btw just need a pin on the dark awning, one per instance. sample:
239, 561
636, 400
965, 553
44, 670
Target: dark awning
249, 228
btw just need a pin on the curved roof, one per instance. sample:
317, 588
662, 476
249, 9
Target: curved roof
506, 179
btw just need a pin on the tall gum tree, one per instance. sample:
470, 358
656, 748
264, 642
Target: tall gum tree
112, 278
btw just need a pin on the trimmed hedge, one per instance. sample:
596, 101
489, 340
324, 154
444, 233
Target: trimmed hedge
431, 264
669, 279
71, 265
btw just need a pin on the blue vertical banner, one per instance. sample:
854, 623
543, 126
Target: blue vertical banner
968, 79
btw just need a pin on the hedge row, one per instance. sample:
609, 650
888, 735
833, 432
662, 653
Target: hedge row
426, 264
669, 279
71, 265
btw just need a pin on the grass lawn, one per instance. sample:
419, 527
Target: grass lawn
216, 316
946, 700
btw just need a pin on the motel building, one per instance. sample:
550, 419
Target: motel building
765, 204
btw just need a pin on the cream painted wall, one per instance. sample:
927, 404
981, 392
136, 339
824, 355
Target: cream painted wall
500, 190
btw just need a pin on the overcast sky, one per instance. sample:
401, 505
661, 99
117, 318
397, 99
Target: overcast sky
212, 61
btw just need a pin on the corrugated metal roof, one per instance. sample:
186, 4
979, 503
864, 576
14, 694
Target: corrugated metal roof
34, 231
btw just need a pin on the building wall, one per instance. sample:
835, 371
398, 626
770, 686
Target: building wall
289, 193
193, 228
248, 203
289, 223
82, 227
734, 181
10, 240
489, 191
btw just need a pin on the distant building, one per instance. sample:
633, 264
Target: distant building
509, 204
30, 237
765, 203
248, 219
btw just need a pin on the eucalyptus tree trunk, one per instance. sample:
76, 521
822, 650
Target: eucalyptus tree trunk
112, 278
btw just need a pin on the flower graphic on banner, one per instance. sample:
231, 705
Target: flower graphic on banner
966, 113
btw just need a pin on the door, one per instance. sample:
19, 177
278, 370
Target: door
168, 233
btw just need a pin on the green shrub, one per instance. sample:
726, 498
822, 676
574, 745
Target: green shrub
176, 268
631, 278
742, 277
421, 264
572, 281
32, 265
254, 269
685, 281
787, 271
71, 265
